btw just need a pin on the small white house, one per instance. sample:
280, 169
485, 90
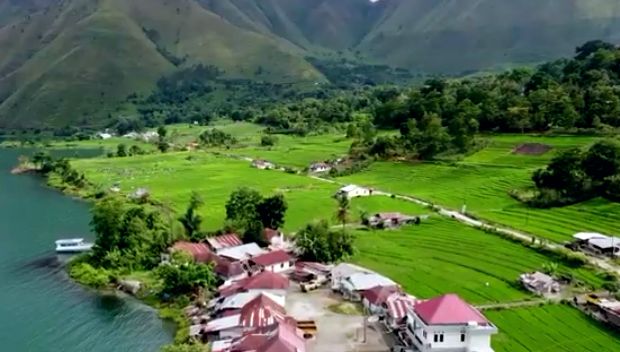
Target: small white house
103, 135
447, 323
320, 167
353, 191
353, 286
275, 261
342, 271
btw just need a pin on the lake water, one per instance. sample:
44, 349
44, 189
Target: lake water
40, 308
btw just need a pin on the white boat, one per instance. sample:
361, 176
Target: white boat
73, 245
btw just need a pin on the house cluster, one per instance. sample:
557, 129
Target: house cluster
596, 243
444, 323
320, 167
147, 136
247, 313
540, 283
233, 260
353, 191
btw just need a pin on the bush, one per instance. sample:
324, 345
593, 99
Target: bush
268, 141
87, 275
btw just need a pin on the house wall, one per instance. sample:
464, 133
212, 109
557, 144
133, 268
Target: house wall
477, 338
373, 309
279, 267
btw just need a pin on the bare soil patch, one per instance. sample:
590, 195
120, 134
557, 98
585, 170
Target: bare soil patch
532, 149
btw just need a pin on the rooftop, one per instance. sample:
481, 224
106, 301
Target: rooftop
224, 241
199, 251
265, 280
241, 252
379, 294
448, 309
261, 311
399, 304
364, 281
585, 236
271, 258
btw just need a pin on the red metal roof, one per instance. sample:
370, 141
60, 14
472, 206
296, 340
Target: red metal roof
379, 294
271, 258
199, 251
224, 241
398, 305
282, 337
261, 311
448, 309
228, 268
265, 280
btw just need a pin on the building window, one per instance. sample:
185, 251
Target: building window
440, 337
435, 338
424, 334
282, 265
462, 337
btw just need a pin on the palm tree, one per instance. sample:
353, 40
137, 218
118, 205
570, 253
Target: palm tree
342, 214
191, 220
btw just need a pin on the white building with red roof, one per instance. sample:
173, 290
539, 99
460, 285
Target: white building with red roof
275, 261
447, 323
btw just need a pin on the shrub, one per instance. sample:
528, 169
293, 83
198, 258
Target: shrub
268, 141
87, 275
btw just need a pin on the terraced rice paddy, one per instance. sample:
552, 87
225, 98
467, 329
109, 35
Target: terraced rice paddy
482, 183
442, 255
172, 177
550, 328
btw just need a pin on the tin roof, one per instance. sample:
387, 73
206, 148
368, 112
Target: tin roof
224, 241
448, 309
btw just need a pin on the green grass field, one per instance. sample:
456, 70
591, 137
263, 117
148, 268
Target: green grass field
172, 177
550, 328
482, 182
442, 255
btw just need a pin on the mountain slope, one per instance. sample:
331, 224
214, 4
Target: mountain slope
77, 60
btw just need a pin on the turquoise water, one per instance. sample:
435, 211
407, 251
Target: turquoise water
40, 309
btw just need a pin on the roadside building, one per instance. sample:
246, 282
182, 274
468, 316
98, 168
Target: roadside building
353, 286
447, 323
598, 243
199, 251
342, 271
539, 283
391, 220
353, 191
375, 299
610, 310
317, 168
310, 271
262, 164
224, 241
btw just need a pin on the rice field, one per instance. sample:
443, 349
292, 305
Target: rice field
172, 177
442, 255
481, 183
550, 328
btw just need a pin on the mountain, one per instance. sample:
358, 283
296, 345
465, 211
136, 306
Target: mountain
75, 61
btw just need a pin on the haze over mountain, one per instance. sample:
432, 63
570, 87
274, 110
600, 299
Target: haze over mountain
74, 61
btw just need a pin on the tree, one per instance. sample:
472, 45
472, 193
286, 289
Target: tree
272, 211
316, 242
135, 150
162, 132
342, 213
602, 160
242, 205
268, 141
184, 276
550, 268
191, 220
121, 150
106, 225
254, 232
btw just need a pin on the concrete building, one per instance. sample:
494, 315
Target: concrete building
447, 323
353, 191
275, 261
539, 283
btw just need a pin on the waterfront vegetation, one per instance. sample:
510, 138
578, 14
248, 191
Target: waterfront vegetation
554, 327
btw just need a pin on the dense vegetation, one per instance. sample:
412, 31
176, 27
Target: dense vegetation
577, 175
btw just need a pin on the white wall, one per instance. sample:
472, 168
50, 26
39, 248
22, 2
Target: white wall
278, 268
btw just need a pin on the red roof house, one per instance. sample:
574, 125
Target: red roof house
265, 280
448, 309
199, 251
260, 312
378, 295
283, 338
224, 241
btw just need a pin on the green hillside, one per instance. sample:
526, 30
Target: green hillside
75, 61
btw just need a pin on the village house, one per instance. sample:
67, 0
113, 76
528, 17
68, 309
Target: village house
103, 135
447, 323
262, 311
243, 252
225, 306
283, 337
396, 308
277, 240
265, 281
353, 191
353, 286
319, 167
227, 269
374, 299
311, 271
539, 283
391, 220
598, 243
262, 164
610, 310
342, 271
224, 241
275, 261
